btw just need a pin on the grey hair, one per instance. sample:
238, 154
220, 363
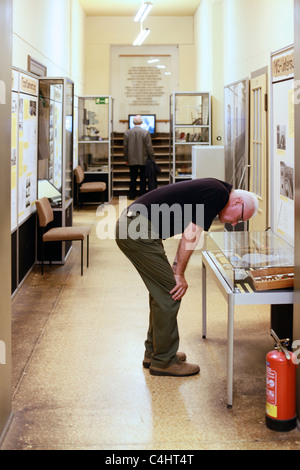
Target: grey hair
138, 120
250, 200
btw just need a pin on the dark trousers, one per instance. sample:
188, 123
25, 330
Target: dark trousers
148, 256
134, 171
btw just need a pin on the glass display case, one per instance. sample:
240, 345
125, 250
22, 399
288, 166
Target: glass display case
94, 139
190, 124
252, 261
55, 156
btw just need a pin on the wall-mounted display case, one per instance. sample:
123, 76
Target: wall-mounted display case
95, 117
190, 124
55, 155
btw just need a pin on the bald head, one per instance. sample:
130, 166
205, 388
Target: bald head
137, 120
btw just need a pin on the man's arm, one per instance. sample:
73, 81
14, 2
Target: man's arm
187, 245
149, 147
125, 147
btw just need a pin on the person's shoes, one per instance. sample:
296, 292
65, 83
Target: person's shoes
147, 361
179, 369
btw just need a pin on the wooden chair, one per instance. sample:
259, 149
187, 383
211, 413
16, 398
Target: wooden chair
59, 234
88, 187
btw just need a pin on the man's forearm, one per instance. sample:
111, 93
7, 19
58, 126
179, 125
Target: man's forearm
186, 247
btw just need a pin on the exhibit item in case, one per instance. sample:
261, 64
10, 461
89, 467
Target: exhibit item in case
252, 261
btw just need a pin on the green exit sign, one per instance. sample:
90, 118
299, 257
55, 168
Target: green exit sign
101, 100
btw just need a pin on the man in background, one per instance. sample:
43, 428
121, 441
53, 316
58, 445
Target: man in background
137, 148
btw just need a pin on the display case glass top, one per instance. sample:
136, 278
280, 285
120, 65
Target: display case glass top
261, 258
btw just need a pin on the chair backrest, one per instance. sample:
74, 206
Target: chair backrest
79, 173
45, 211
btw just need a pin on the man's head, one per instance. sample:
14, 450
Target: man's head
242, 205
138, 120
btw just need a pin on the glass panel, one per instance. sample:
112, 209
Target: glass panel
50, 169
93, 156
69, 129
253, 249
192, 110
183, 160
93, 133
93, 119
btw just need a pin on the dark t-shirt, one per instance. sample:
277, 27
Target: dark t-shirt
171, 208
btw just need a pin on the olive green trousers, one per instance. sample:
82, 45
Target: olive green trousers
147, 255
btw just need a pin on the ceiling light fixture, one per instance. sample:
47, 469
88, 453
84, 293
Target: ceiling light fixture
143, 12
144, 33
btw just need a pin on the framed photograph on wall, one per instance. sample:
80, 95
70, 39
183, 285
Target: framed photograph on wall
236, 119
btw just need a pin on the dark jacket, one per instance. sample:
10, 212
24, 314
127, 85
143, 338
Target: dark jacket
137, 146
152, 170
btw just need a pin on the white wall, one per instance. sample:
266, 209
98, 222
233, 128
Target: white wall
52, 32
104, 32
234, 38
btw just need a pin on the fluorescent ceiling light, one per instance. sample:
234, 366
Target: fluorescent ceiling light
161, 66
152, 61
143, 12
144, 33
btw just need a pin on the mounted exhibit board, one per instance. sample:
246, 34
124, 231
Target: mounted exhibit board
282, 144
236, 106
24, 130
23, 147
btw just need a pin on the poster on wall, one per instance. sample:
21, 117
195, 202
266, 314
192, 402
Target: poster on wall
27, 164
14, 150
282, 152
236, 107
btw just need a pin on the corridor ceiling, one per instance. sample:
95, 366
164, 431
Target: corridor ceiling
130, 7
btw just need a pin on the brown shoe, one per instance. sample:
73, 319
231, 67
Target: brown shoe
147, 361
179, 369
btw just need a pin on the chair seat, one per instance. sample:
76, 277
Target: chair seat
66, 233
92, 187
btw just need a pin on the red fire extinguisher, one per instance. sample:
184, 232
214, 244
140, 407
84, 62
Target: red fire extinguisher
281, 387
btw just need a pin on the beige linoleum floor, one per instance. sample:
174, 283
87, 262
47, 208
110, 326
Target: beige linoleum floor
78, 382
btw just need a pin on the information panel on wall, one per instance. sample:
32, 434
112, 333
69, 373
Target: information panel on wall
141, 82
282, 150
23, 147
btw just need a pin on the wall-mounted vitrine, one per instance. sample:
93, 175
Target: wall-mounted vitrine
190, 124
95, 117
55, 154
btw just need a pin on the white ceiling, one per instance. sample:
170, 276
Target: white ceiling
130, 7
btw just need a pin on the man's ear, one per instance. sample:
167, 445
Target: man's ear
237, 200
